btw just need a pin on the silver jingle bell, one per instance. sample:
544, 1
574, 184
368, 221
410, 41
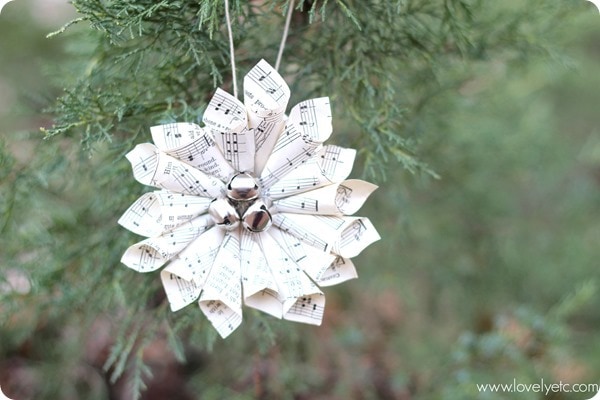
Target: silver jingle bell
224, 214
242, 187
257, 218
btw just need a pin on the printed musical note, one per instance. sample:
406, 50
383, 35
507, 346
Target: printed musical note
308, 309
203, 153
259, 286
142, 258
192, 150
158, 169
180, 292
265, 96
336, 200
278, 168
144, 161
330, 158
301, 228
154, 252
298, 143
343, 196
174, 135
264, 130
298, 204
262, 76
358, 233
311, 260
182, 178
331, 164
227, 120
291, 281
195, 261
238, 148
224, 112
224, 319
221, 298
143, 216
340, 270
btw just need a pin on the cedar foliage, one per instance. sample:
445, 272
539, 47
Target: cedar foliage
387, 66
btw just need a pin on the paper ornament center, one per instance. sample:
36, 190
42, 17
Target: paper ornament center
242, 203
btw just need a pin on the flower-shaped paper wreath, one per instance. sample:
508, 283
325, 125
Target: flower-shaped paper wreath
252, 206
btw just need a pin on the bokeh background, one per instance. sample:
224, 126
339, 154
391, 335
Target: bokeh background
487, 274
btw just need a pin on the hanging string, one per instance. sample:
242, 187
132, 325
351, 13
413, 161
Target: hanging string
286, 29
231, 50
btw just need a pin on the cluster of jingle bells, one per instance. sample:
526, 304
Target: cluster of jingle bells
242, 203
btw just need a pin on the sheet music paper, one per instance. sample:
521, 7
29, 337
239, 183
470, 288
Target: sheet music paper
311, 260
307, 309
180, 292
321, 232
194, 262
194, 146
144, 216
298, 292
308, 126
154, 168
332, 164
260, 288
345, 198
226, 117
221, 298
340, 270
355, 237
266, 96
152, 253
178, 208
302, 181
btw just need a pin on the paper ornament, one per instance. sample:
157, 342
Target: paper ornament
251, 209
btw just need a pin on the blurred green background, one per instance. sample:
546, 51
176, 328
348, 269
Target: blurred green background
485, 275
